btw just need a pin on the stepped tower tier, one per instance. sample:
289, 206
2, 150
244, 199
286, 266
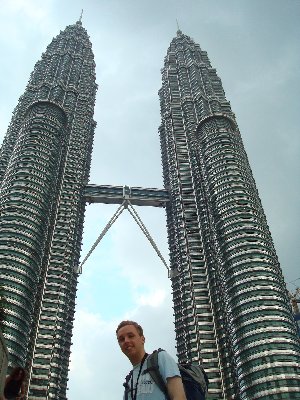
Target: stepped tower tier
231, 305
44, 167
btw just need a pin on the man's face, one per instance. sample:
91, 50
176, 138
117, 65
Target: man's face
131, 343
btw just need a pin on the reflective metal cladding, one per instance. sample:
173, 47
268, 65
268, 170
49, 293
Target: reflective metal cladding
230, 301
44, 166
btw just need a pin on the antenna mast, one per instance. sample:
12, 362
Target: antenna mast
178, 28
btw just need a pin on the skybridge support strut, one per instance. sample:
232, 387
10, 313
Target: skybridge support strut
125, 196
102, 234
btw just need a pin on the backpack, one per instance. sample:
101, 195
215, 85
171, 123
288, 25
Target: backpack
194, 378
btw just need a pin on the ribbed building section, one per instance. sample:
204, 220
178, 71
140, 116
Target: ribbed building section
44, 167
231, 305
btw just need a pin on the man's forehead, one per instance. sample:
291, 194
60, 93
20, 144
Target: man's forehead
127, 329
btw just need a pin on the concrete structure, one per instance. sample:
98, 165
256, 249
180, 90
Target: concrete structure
42, 177
232, 309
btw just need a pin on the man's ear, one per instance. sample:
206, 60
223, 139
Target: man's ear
143, 339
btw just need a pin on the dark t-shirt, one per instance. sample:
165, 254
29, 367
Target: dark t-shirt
12, 389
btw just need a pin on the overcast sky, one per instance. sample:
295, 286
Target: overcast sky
255, 47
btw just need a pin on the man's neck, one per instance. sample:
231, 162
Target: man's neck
137, 360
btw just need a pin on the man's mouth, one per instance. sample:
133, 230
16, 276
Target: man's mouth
128, 348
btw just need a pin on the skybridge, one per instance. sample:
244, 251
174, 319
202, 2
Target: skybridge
137, 196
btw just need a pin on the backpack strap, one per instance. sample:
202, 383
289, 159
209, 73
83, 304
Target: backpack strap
153, 370
126, 385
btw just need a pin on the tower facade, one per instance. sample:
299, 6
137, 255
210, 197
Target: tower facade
231, 305
44, 166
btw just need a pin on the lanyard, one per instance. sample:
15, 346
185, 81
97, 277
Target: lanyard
134, 391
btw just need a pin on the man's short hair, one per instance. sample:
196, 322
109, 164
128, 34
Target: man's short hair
135, 324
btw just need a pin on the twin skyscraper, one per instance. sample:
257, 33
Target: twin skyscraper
231, 306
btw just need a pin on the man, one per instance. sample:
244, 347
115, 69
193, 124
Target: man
141, 386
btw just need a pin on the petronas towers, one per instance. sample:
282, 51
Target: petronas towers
45, 162
231, 306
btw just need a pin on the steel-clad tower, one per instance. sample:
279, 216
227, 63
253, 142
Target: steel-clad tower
45, 163
230, 301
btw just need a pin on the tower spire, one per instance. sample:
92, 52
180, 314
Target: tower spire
80, 18
178, 29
